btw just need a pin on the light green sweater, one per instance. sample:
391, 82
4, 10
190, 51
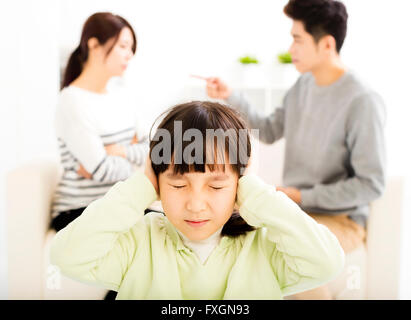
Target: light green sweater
114, 245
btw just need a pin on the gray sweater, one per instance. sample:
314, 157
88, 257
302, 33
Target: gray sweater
335, 145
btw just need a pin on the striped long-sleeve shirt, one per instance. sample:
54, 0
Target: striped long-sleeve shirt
85, 123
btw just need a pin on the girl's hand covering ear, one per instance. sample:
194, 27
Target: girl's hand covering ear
244, 173
247, 169
149, 172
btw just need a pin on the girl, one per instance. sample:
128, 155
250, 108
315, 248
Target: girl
202, 247
96, 127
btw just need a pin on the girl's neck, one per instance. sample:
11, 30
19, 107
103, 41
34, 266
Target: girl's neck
214, 238
92, 79
203, 248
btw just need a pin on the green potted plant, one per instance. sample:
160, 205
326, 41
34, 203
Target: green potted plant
284, 58
284, 72
250, 70
248, 60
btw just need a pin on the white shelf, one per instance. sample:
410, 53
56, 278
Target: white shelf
279, 87
265, 98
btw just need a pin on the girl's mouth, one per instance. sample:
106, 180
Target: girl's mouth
198, 223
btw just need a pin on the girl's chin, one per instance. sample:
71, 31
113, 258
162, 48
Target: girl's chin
196, 235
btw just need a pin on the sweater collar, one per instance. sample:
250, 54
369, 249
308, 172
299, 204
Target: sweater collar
212, 240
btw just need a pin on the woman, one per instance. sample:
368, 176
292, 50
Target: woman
95, 125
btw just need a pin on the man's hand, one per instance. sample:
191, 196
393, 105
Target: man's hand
293, 193
83, 172
217, 89
115, 150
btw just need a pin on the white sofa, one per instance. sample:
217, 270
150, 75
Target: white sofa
30, 188
376, 267
30, 275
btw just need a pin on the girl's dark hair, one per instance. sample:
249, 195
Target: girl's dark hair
320, 18
203, 115
103, 26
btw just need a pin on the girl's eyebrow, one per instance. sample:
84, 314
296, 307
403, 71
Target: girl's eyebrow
220, 177
217, 177
174, 176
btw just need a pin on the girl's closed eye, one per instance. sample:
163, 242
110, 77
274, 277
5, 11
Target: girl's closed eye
216, 187
177, 186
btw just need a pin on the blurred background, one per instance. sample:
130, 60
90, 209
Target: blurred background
182, 37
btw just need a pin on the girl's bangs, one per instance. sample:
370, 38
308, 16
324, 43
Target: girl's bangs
213, 155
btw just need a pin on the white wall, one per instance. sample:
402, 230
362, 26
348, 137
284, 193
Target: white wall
28, 92
377, 47
176, 38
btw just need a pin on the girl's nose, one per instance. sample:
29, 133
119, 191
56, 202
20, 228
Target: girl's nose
196, 203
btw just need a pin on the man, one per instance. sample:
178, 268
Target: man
333, 126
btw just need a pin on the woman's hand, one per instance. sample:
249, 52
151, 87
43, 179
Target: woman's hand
149, 172
83, 172
116, 150
135, 139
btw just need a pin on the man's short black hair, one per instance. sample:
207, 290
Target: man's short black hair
320, 18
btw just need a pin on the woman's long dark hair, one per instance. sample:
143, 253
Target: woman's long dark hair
102, 26
203, 115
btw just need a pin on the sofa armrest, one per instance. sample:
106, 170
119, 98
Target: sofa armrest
29, 191
384, 242
268, 161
